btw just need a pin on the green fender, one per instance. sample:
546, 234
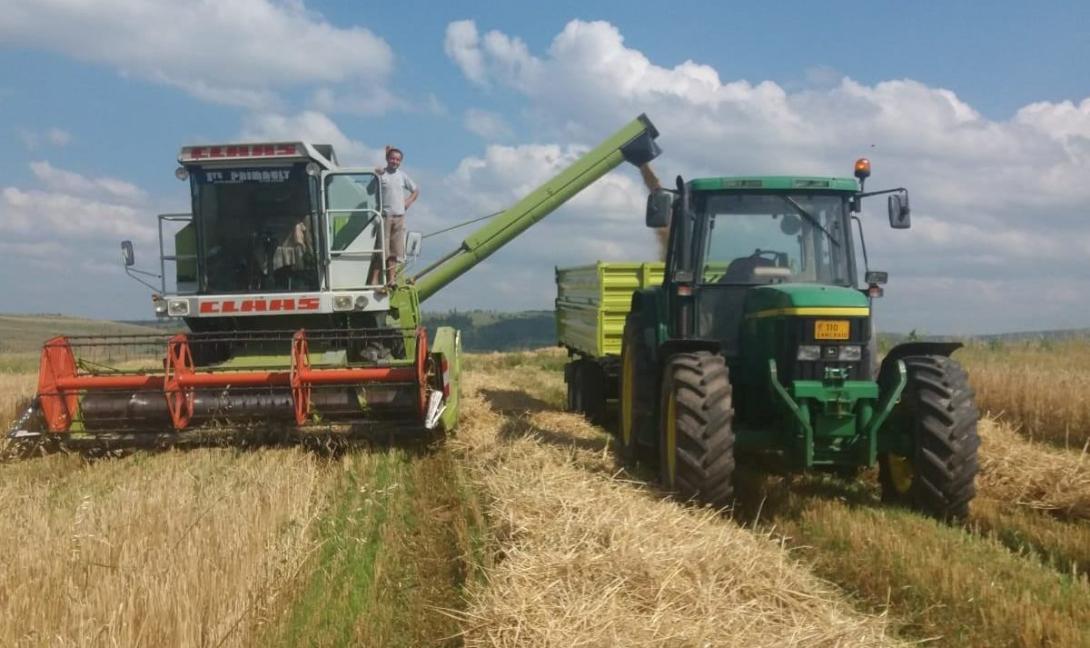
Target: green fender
448, 346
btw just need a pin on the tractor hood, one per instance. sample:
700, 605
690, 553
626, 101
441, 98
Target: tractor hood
805, 299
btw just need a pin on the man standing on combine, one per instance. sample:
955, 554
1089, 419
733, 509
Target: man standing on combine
399, 192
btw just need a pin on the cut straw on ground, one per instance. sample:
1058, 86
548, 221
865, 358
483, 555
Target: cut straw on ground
587, 558
1032, 475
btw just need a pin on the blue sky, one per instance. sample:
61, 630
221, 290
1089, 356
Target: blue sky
982, 114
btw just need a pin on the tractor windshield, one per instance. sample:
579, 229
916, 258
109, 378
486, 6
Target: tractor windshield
774, 238
256, 229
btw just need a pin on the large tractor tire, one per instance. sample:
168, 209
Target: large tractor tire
636, 394
938, 479
696, 445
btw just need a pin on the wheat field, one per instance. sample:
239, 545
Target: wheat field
524, 529
1041, 388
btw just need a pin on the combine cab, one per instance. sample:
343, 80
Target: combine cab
278, 277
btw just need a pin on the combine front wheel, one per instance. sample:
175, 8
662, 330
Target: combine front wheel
938, 477
696, 444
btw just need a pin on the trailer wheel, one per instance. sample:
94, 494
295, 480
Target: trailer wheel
636, 393
573, 378
697, 440
938, 477
593, 391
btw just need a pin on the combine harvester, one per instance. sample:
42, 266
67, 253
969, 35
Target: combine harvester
754, 345
279, 273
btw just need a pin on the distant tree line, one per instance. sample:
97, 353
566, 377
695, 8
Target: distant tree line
493, 331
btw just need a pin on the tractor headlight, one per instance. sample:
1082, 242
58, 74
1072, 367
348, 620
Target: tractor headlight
809, 352
342, 302
178, 307
850, 354
361, 302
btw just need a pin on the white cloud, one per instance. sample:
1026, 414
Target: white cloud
314, 127
462, 45
74, 183
235, 52
996, 201
54, 136
35, 214
58, 136
486, 124
65, 228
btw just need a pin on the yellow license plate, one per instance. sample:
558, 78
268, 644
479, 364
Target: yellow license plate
832, 330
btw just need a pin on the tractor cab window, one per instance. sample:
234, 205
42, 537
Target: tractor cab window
256, 229
775, 238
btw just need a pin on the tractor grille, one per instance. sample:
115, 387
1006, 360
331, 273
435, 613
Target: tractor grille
800, 330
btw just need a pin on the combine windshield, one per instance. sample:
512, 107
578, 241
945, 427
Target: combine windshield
256, 229
776, 238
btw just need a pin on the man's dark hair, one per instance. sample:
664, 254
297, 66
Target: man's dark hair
393, 149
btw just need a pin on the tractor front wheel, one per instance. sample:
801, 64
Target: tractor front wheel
937, 478
696, 445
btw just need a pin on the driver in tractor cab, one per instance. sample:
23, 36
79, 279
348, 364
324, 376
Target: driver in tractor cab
767, 266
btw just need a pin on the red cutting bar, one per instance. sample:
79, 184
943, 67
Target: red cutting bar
336, 376
235, 379
109, 382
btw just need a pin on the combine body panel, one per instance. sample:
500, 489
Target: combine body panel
278, 275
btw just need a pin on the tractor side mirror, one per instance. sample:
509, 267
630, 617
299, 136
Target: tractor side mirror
876, 277
413, 242
128, 257
899, 211
659, 205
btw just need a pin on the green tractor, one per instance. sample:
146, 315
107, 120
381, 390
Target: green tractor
759, 349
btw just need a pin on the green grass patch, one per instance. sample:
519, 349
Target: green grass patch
402, 536
1064, 545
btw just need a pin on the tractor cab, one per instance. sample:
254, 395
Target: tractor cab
766, 267
762, 235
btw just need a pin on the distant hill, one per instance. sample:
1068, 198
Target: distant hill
25, 333
493, 331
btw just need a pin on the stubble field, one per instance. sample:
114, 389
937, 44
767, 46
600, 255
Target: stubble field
523, 529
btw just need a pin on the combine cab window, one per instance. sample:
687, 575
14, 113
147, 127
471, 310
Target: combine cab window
775, 238
352, 202
256, 229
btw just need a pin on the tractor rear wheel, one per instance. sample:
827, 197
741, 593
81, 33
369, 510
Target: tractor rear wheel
697, 441
938, 477
637, 393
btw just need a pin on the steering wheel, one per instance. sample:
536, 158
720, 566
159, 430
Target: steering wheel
778, 259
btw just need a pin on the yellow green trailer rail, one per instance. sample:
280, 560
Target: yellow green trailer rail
591, 306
